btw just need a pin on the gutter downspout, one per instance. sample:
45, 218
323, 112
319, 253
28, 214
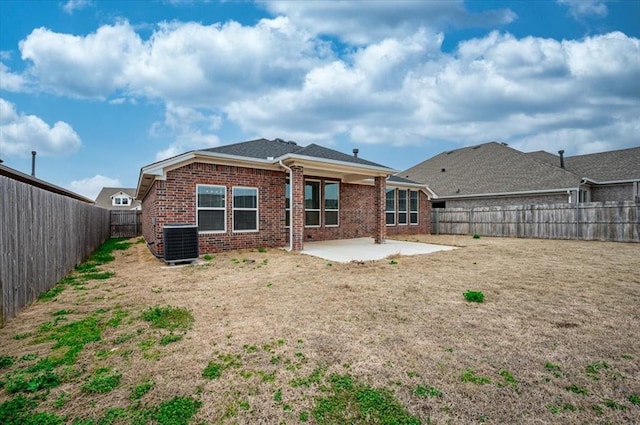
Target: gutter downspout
290, 205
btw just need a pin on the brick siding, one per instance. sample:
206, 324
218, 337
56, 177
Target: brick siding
173, 201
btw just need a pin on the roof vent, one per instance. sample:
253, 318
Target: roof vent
355, 152
476, 147
504, 144
291, 142
561, 152
443, 170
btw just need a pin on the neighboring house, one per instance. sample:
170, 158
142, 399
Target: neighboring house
493, 174
609, 176
270, 193
118, 198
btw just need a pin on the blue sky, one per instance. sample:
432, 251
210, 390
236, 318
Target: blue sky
102, 88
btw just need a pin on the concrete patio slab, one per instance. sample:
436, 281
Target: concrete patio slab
364, 249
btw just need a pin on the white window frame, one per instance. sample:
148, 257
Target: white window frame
319, 209
234, 209
223, 209
337, 210
406, 207
417, 210
117, 201
393, 211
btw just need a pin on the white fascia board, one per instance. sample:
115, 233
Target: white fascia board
378, 169
588, 180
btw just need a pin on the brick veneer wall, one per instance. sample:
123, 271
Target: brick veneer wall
173, 201
618, 192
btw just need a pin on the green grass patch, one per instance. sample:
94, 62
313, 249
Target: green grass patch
427, 392
593, 370
577, 389
613, 405
509, 378
474, 296
314, 377
208, 257
7, 361
213, 370
177, 411
139, 391
168, 317
355, 403
51, 293
469, 375
104, 253
168, 339
102, 382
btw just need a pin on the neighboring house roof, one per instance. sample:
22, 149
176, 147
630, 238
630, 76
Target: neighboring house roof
33, 181
488, 169
269, 154
619, 165
105, 198
610, 166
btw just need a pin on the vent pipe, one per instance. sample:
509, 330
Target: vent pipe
355, 152
33, 163
561, 152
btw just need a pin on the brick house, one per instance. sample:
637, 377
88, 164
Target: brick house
274, 193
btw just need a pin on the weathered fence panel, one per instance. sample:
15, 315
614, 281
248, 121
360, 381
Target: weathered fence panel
604, 221
125, 224
43, 236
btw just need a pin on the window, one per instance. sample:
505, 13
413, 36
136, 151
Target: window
402, 206
391, 207
287, 203
211, 208
311, 203
414, 197
245, 209
331, 203
120, 200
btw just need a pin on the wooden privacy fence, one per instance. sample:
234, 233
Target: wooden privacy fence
125, 224
604, 221
43, 236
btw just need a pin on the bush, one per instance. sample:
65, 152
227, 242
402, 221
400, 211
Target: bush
476, 236
474, 296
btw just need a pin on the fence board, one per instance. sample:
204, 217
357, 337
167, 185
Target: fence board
605, 221
43, 236
125, 224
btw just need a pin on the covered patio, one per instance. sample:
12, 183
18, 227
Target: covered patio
365, 249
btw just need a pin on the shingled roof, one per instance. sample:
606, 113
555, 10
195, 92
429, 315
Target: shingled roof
265, 149
103, 199
489, 168
609, 166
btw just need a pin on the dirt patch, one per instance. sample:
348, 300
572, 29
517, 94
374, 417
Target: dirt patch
553, 312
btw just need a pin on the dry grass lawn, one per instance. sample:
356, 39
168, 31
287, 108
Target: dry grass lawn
290, 338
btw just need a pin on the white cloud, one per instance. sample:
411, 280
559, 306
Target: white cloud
71, 6
89, 66
90, 187
10, 81
494, 88
179, 62
190, 128
20, 134
360, 24
275, 79
582, 8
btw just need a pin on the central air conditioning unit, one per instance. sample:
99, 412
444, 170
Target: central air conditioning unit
180, 243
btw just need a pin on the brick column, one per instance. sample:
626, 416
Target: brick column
379, 205
297, 207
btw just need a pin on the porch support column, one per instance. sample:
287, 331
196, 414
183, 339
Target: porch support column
379, 205
297, 207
